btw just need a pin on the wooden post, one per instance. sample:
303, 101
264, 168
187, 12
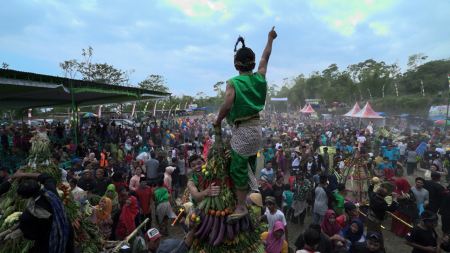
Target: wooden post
122, 243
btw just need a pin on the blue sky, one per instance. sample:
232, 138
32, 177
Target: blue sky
191, 42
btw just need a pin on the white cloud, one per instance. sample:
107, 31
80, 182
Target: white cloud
380, 29
244, 28
199, 8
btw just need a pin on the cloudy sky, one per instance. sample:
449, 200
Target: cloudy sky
191, 42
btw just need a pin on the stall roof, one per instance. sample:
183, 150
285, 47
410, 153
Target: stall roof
382, 113
405, 115
437, 118
21, 90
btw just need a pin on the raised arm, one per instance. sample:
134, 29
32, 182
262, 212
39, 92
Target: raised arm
226, 107
262, 67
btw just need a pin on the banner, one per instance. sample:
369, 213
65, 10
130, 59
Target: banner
145, 108
118, 109
99, 111
396, 90
29, 117
185, 106
171, 109
423, 91
278, 99
132, 110
438, 111
325, 101
162, 110
154, 109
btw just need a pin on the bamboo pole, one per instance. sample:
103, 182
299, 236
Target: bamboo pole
402, 221
122, 243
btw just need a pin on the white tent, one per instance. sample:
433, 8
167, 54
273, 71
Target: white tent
353, 111
367, 115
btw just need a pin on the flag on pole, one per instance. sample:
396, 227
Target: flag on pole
423, 90
145, 108
448, 75
132, 110
29, 117
162, 110
154, 109
99, 111
118, 108
71, 116
396, 90
185, 106
383, 89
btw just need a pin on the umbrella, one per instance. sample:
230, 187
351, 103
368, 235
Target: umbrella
90, 115
441, 122
335, 103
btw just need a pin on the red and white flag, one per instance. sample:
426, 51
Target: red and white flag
185, 106
132, 110
99, 111
29, 116
154, 109
162, 110
118, 109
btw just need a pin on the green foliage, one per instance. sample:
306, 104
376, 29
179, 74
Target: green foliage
155, 83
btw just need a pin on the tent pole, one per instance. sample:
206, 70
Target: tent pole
75, 125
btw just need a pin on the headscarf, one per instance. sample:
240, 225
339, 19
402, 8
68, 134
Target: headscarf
270, 154
105, 212
92, 156
402, 186
421, 149
353, 237
129, 213
275, 245
168, 176
332, 182
110, 187
328, 228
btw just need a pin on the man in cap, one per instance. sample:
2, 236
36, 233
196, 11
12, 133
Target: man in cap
372, 244
152, 239
351, 212
273, 215
377, 210
100, 183
435, 191
297, 160
76, 167
423, 237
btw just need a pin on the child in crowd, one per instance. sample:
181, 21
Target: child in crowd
128, 159
288, 198
144, 195
339, 195
163, 208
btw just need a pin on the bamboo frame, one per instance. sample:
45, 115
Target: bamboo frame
122, 243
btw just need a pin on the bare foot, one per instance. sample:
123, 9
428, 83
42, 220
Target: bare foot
239, 213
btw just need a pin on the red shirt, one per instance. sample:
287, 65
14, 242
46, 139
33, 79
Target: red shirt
143, 196
340, 220
129, 158
155, 130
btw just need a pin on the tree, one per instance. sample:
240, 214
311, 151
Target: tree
416, 60
218, 88
5, 65
95, 72
154, 83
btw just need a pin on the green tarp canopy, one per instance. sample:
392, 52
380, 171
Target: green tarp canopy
22, 90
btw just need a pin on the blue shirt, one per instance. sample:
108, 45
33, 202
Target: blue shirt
392, 154
268, 173
382, 165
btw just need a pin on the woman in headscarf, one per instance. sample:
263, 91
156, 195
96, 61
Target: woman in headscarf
398, 227
97, 154
128, 219
128, 146
111, 194
330, 227
72, 146
101, 215
206, 147
274, 241
268, 155
281, 159
350, 235
421, 149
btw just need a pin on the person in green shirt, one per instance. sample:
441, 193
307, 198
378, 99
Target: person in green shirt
245, 98
339, 195
163, 209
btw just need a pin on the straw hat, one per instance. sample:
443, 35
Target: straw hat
297, 150
257, 199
